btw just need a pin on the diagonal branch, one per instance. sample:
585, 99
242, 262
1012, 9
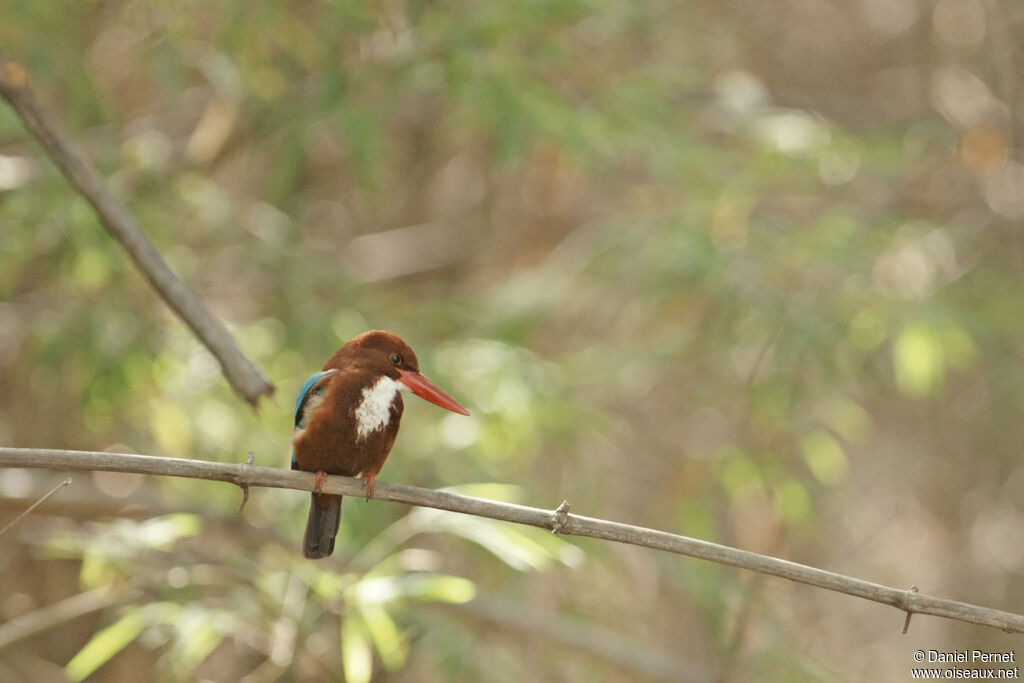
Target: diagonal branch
241, 373
59, 613
909, 601
27, 511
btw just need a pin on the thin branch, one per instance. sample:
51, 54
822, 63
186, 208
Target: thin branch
24, 513
244, 475
247, 379
68, 609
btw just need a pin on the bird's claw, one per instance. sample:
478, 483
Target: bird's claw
368, 485
318, 485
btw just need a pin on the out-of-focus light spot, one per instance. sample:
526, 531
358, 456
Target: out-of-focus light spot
637, 379
963, 98
912, 269
825, 458
792, 502
206, 198
837, 168
348, 323
512, 397
217, 424
14, 172
905, 272
984, 150
740, 477
117, 484
420, 560
263, 338
171, 427
919, 361
792, 132
1004, 191
149, 150
15, 482
890, 17
459, 432
201, 370
959, 23
847, 419
740, 92
997, 532
177, 577
268, 223
117, 331
91, 269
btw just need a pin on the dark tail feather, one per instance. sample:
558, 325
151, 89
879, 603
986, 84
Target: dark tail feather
322, 526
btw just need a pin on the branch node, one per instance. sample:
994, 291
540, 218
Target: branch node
906, 606
243, 485
560, 518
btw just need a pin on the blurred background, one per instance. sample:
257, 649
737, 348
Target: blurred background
749, 271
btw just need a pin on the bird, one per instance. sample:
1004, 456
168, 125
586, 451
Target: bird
346, 421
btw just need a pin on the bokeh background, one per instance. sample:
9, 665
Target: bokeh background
749, 271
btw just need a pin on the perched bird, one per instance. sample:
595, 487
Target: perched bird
346, 420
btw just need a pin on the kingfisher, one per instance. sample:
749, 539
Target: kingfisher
346, 421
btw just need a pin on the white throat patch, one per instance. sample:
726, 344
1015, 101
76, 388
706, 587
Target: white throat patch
374, 411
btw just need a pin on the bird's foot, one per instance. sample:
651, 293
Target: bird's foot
318, 485
368, 485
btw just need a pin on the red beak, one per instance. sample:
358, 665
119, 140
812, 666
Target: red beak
427, 390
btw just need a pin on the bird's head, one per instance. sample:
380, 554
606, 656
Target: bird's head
380, 353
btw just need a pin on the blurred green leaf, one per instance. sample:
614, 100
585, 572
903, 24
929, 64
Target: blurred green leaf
792, 502
197, 636
356, 653
919, 359
104, 644
825, 458
387, 638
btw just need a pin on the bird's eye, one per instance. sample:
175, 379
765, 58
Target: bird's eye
395, 358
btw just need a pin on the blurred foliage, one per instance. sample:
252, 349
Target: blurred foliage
747, 271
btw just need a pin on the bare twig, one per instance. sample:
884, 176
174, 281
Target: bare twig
240, 372
573, 525
45, 618
34, 505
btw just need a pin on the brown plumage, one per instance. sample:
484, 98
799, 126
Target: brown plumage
347, 419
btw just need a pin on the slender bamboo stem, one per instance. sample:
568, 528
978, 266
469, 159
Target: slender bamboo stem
559, 520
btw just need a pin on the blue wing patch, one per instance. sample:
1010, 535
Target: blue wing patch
311, 389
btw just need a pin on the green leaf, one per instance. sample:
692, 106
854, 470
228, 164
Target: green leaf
356, 655
919, 360
792, 502
441, 588
104, 645
162, 532
197, 638
509, 545
825, 457
386, 636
